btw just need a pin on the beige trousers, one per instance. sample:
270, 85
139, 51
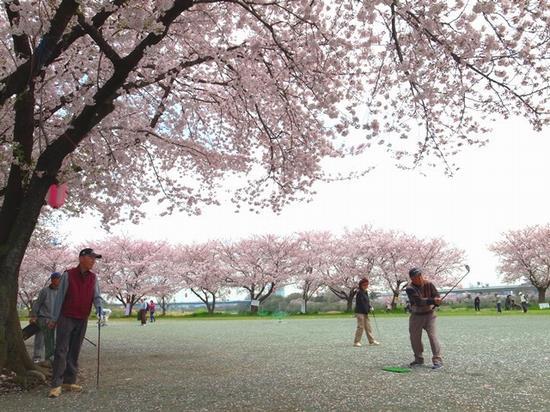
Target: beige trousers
363, 324
416, 324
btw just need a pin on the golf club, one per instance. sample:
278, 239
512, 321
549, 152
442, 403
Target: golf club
376, 324
457, 283
98, 345
89, 341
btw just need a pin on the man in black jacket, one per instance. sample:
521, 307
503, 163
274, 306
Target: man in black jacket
362, 309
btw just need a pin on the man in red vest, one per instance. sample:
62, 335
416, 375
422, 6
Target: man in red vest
77, 291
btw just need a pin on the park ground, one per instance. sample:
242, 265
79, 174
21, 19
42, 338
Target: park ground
492, 363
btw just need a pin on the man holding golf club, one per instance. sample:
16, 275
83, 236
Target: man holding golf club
423, 297
77, 291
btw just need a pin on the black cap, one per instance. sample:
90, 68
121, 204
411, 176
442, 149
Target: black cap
89, 252
414, 272
55, 275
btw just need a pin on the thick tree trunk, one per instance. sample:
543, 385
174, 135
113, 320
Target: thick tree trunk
349, 300
394, 300
542, 294
212, 306
13, 354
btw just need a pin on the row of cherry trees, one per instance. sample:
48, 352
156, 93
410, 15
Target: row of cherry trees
133, 269
312, 261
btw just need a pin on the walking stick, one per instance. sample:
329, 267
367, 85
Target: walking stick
98, 348
376, 324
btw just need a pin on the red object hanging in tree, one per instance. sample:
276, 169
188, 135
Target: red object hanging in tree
57, 194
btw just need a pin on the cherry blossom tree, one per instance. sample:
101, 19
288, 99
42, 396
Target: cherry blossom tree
259, 265
205, 272
524, 254
131, 101
43, 257
310, 262
167, 279
166, 289
133, 269
350, 258
45, 254
398, 252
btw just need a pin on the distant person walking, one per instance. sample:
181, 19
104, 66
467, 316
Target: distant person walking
476, 304
362, 309
499, 305
41, 314
152, 307
104, 318
523, 301
127, 309
78, 290
508, 302
143, 312
423, 297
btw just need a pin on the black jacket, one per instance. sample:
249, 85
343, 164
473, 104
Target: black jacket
362, 302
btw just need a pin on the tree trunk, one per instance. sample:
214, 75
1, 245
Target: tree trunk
163, 306
394, 300
13, 355
18, 231
350, 302
213, 304
542, 294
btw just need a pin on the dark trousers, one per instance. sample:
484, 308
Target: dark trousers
524, 306
70, 334
416, 324
143, 316
45, 337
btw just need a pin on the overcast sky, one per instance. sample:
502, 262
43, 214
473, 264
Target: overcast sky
499, 187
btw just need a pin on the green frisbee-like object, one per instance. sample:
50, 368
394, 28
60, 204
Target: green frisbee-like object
396, 369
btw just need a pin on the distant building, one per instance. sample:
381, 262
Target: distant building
280, 291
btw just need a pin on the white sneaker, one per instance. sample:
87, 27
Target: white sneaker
374, 343
357, 344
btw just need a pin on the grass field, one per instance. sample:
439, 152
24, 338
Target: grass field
307, 364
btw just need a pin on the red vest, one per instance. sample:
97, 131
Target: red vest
80, 294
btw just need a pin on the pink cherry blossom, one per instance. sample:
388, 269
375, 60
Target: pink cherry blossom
524, 255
